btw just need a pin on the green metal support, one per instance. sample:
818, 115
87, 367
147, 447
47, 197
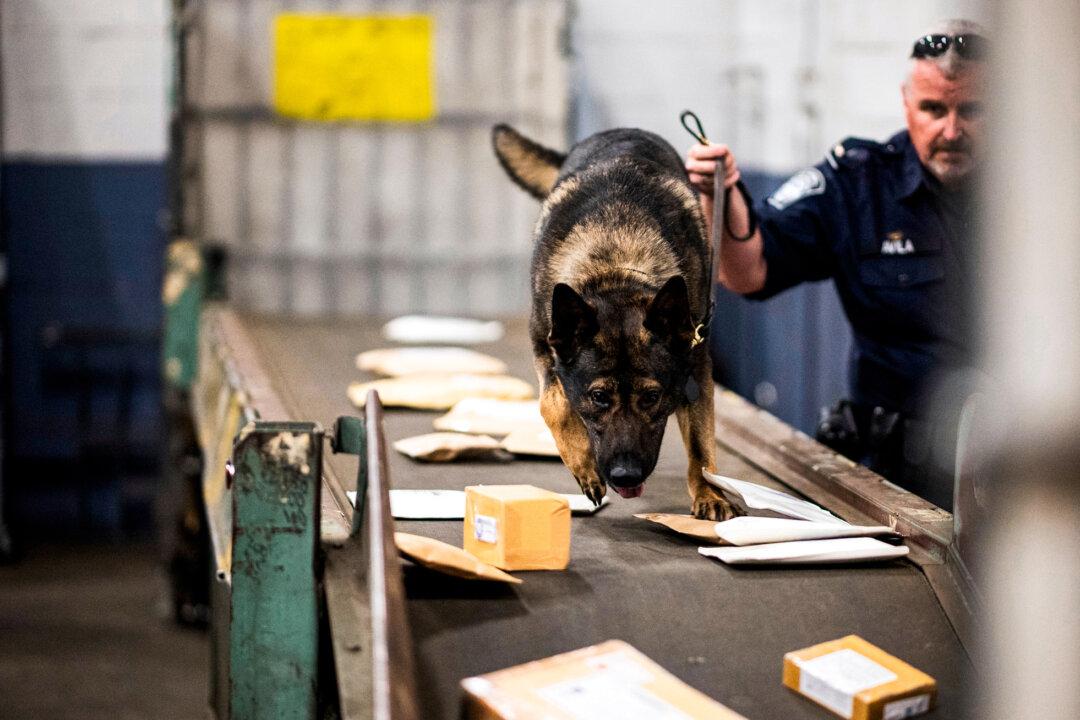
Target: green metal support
182, 297
350, 437
182, 293
274, 630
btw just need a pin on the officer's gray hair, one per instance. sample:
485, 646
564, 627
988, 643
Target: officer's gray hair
949, 62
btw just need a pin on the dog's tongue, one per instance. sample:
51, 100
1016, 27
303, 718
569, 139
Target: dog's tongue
632, 492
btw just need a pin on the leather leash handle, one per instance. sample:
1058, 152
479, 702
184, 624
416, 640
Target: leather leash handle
719, 193
718, 216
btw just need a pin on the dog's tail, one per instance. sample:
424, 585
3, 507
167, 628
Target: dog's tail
531, 165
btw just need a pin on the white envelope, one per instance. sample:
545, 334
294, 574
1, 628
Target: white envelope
427, 504
490, 416
581, 505
759, 500
450, 504
439, 392
840, 550
420, 329
749, 530
424, 504
441, 360
531, 440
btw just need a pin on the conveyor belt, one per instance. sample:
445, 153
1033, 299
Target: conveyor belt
722, 630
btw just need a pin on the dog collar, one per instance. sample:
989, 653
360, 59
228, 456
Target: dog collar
698, 337
701, 330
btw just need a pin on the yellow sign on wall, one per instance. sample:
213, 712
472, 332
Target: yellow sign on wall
337, 67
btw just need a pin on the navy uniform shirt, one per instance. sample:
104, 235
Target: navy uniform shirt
894, 241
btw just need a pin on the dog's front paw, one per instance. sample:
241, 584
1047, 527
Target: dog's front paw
711, 505
592, 487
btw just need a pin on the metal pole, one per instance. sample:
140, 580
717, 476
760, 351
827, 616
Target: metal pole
1031, 304
6, 550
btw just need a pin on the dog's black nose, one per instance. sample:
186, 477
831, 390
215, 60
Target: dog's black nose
626, 471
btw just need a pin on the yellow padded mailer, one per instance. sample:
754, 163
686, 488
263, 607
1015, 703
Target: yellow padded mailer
361, 67
517, 527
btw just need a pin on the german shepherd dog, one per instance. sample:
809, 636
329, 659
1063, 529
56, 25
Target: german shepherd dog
621, 294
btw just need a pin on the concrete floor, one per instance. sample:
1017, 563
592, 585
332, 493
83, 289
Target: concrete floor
84, 634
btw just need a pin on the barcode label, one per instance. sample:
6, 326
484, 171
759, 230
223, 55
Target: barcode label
908, 707
486, 529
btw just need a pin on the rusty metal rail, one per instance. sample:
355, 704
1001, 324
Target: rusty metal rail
365, 597
856, 494
848, 489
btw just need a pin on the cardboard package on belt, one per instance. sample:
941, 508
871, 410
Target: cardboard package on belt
609, 681
859, 681
517, 527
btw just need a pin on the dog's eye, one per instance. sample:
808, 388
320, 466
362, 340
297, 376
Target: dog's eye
649, 398
600, 398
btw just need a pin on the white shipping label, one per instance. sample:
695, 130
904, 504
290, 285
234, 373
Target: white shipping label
908, 707
836, 678
608, 696
486, 529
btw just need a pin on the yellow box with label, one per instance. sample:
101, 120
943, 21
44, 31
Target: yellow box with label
517, 527
860, 681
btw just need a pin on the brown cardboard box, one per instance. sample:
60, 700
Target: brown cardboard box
860, 681
517, 527
609, 681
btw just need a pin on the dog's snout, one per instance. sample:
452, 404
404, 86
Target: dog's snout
626, 471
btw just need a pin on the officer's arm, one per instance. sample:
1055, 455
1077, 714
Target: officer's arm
741, 265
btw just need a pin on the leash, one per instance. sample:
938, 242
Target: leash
721, 194
701, 331
719, 217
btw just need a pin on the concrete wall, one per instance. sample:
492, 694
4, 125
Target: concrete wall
778, 80
83, 188
84, 80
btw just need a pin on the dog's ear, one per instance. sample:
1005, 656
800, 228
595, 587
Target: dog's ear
668, 317
573, 322
531, 165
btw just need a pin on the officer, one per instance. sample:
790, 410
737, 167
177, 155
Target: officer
892, 224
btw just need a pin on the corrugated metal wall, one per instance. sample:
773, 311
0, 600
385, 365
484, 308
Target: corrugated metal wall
349, 218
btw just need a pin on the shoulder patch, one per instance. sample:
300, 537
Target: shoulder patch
852, 151
802, 184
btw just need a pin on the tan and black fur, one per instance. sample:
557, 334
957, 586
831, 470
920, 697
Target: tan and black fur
621, 287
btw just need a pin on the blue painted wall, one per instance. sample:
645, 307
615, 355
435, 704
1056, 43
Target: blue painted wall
789, 353
85, 250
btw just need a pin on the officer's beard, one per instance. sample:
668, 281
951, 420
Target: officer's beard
951, 161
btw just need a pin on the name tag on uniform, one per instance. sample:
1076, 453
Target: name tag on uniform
896, 244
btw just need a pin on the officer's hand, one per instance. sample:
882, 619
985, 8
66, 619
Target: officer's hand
701, 166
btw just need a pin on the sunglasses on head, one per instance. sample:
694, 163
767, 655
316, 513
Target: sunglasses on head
968, 46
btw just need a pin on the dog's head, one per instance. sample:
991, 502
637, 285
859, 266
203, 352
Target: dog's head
624, 364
